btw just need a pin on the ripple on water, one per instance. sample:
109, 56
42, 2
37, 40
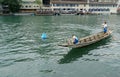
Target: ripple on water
9, 59
21, 47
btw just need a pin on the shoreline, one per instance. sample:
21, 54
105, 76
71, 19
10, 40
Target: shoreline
56, 14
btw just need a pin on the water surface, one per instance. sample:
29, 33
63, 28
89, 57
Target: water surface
24, 54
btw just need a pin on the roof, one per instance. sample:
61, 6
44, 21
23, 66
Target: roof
81, 2
70, 2
102, 3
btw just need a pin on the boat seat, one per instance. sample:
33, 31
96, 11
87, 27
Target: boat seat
90, 39
94, 37
106, 33
81, 41
85, 40
98, 35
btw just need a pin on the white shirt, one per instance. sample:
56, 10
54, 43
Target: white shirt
104, 25
73, 38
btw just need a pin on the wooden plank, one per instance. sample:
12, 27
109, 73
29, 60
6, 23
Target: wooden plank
88, 40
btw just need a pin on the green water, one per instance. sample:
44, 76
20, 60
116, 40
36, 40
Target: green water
24, 54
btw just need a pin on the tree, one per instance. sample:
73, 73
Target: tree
13, 5
39, 2
1, 1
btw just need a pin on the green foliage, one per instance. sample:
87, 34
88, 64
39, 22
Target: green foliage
13, 5
1, 1
39, 2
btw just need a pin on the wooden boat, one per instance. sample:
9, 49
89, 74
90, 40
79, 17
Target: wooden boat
88, 40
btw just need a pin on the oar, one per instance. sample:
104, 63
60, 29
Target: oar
111, 32
114, 38
69, 41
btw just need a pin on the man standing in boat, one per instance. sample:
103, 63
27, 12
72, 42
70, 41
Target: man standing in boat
74, 39
105, 27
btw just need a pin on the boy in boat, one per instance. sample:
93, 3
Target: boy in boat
74, 39
105, 27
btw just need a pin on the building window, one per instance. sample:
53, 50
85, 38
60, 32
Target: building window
108, 9
57, 4
66, 4
54, 4
26, 6
22, 6
84, 5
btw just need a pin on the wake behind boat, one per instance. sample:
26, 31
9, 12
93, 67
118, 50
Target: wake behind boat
88, 40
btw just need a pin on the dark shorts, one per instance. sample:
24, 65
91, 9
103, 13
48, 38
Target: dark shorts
76, 41
105, 29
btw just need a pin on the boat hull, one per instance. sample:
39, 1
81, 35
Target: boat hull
88, 40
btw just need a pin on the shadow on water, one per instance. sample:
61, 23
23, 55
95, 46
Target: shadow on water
76, 53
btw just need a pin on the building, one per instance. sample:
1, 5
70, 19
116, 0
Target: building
66, 6
5, 9
92, 6
103, 0
118, 7
34, 5
1, 9
30, 5
46, 2
103, 6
